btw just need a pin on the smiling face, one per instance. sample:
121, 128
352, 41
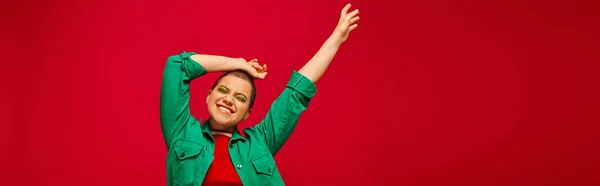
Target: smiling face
229, 102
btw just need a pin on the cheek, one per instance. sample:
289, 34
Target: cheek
213, 98
242, 108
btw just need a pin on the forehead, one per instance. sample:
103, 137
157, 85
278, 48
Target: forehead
236, 84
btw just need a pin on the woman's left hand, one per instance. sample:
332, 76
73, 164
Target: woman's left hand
346, 24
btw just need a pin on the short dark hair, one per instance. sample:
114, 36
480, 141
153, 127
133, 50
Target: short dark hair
243, 75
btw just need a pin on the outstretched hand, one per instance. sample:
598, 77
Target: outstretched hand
347, 23
256, 71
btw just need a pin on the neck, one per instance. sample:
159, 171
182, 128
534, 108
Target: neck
222, 133
214, 126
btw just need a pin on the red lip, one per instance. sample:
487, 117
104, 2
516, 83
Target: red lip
225, 106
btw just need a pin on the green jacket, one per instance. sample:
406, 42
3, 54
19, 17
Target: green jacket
191, 145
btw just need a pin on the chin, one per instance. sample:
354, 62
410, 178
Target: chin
223, 120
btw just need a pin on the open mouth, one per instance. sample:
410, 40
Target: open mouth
225, 109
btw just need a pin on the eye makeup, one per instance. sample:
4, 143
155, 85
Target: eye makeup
239, 96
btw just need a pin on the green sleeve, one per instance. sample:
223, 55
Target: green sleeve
180, 70
284, 113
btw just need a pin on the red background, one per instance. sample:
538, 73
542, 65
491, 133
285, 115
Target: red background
423, 93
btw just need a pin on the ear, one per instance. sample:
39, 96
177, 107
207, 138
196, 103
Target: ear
247, 114
209, 91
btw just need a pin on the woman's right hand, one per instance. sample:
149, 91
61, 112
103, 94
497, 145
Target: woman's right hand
255, 70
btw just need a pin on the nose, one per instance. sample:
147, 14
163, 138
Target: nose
227, 100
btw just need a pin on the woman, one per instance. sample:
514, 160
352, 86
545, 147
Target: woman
215, 153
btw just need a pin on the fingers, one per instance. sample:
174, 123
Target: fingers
259, 72
352, 14
352, 27
345, 10
257, 67
258, 75
252, 63
260, 69
261, 76
354, 19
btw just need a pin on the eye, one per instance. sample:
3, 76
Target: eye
223, 90
241, 98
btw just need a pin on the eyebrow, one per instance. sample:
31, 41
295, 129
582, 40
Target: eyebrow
235, 93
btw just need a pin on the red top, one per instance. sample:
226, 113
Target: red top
221, 171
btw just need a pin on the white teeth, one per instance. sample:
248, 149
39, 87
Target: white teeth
224, 109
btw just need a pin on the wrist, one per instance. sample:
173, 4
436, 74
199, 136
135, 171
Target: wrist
241, 64
335, 40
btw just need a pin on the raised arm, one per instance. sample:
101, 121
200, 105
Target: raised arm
214, 63
317, 65
285, 111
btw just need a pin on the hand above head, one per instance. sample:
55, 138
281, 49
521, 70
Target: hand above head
346, 24
255, 70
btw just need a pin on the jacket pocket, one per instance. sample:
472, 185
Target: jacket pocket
264, 167
186, 163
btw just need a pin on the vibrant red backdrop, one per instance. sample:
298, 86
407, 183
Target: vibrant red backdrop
423, 93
